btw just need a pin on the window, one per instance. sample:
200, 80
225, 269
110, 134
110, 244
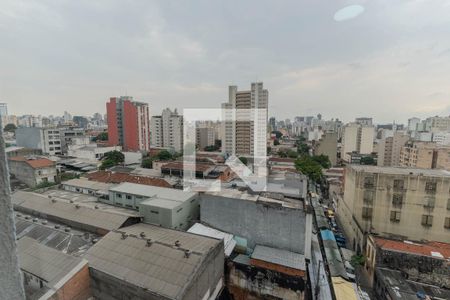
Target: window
119, 195
367, 212
154, 212
399, 184
430, 187
180, 209
368, 197
447, 223
128, 197
369, 182
395, 216
429, 202
397, 200
427, 220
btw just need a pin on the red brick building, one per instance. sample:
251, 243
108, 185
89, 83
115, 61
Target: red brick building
128, 124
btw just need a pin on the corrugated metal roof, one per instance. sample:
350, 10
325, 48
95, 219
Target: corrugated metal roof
227, 238
153, 191
49, 264
327, 235
68, 211
88, 184
279, 257
161, 268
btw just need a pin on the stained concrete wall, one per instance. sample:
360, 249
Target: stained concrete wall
259, 223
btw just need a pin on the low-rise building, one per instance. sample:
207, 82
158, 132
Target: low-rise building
426, 262
394, 202
169, 208
77, 215
32, 170
149, 262
90, 152
115, 177
268, 273
52, 274
392, 285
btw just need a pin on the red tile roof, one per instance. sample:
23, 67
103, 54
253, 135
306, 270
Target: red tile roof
179, 165
116, 177
35, 163
424, 249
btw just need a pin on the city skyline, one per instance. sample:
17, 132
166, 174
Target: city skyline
167, 58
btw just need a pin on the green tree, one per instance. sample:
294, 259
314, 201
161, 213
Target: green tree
10, 127
292, 154
282, 153
309, 167
102, 136
147, 163
243, 160
111, 159
303, 149
164, 155
323, 160
367, 160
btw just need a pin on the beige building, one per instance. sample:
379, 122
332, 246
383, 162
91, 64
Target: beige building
205, 136
405, 203
389, 149
241, 137
426, 155
166, 130
357, 138
327, 145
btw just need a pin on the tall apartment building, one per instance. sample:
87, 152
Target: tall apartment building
128, 124
425, 155
389, 149
405, 203
167, 130
441, 138
206, 136
364, 121
327, 145
437, 124
413, 124
241, 137
357, 138
3, 109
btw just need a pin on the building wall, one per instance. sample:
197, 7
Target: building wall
30, 137
76, 288
130, 127
31, 177
113, 131
327, 145
259, 223
167, 130
382, 198
366, 139
389, 150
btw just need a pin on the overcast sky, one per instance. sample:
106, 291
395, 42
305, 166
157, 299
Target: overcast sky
390, 62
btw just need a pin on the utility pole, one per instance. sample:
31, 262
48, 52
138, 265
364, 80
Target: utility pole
11, 285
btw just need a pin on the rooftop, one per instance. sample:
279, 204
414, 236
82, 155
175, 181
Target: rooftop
229, 242
153, 191
46, 263
53, 235
68, 212
146, 256
400, 288
400, 171
436, 250
117, 177
34, 161
279, 257
179, 165
87, 184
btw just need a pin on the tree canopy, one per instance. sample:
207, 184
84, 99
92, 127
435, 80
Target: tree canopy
244, 160
323, 160
10, 127
111, 159
308, 166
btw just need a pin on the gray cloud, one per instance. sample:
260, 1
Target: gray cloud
73, 55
